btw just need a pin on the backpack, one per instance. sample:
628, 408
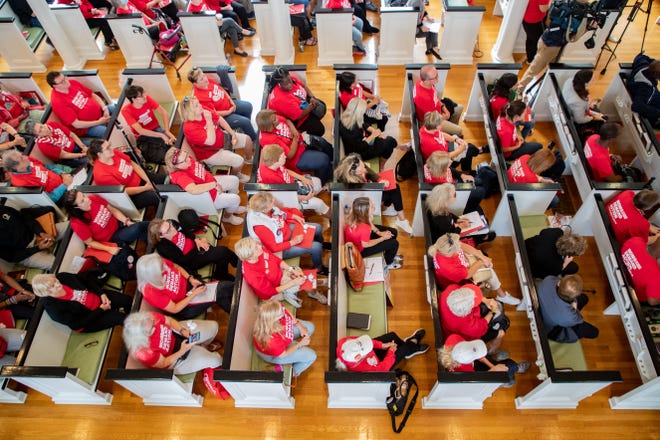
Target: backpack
121, 265
353, 266
153, 149
191, 223
406, 167
398, 399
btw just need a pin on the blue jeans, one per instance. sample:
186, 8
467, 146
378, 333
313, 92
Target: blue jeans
302, 358
318, 162
241, 118
98, 131
316, 251
128, 234
525, 148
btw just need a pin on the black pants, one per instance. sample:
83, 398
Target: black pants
102, 24
466, 162
557, 168
304, 26
512, 365
171, 11
360, 11
403, 348
148, 198
312, 125
388, 247
534, 32
238, 14
393, 196
224, 294
380, 123
112, 317
583, 330
220, 256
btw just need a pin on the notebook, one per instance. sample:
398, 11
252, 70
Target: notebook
361, 321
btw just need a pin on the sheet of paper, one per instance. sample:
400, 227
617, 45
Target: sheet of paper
208, 296
373, 269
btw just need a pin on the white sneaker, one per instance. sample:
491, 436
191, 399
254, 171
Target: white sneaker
243, 178
318, 296
508, 299
389, 211
249, 161
393, 266
233, 220
240, 210
405, 225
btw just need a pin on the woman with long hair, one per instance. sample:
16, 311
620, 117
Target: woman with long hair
350, 88
512, 143
195, 179
532, 169
290, 97
212, 139
369, 238
584, 110
172, 289
352, 169
279, 338
500, 96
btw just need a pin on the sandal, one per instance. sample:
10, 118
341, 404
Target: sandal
241, 54
310, 41
112, 45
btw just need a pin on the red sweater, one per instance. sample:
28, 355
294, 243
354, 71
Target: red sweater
470, 327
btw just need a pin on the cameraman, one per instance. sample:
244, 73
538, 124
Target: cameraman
567, 24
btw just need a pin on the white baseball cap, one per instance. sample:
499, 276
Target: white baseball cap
351, 348
467, 352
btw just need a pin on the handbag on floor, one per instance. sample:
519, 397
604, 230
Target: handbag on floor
400, 392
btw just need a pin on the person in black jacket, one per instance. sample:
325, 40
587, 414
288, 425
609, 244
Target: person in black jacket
70, 299
643, 87
190, 252
552, 252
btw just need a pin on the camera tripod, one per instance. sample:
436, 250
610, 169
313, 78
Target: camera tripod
637, 6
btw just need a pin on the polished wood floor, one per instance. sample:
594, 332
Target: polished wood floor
128, 419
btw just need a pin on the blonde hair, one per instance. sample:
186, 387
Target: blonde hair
360, 211
43, 284
541, 160
271, 154
264, 120
261, 201
154, 231
438, 201
187, 111
169, 154
447, 245
195, 74
432, 120
345, 170
437, 163
268, 322
353, 115
149, 269
446, 358
246, 247
136, 331
570, 287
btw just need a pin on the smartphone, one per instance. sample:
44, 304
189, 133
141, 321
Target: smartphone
193, 338
303, 105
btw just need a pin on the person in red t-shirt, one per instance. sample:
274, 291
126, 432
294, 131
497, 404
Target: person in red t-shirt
193, 177
272, 171
30, 173
13, 109
627, 214
456, 262
432, 138
371, 239
140, 114
350, 88
99, 224
275, 333
112, 167
78, 107
164, 285
512, 143
16, 298
597, 153
528, 169
58, 143
290, 97
276, 129
534, 24
641, 260
382, 353
427, 99
269, 276
499, 98
214, 97
161, 342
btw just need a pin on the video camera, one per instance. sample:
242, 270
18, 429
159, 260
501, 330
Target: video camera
568, 15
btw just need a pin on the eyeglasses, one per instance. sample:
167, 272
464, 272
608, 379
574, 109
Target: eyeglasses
64, 79
177, 158
355, 164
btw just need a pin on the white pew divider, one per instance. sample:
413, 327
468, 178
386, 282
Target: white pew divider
266, 28
461, 31
80, 35
17, 82
398, 27
511, 37
206, 45
333, 30
478, 105
136, 47
442, 69
282, 32
15, 49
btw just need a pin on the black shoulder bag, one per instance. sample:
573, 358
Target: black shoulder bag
398, 398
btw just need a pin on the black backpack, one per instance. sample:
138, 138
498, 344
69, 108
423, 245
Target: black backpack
407, 167
398, 399
191, 223
153, 149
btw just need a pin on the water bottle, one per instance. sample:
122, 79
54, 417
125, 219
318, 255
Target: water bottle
228, 57
347, 209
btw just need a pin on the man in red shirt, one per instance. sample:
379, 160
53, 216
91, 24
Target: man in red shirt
597, 152
78, 107
140, 115
58, 143
29, 172
427, 99
641, 260
626, 213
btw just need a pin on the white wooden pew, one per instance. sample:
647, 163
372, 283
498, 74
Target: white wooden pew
398, 27
136, 47
74, 25
206, 45
333, 31
461, 31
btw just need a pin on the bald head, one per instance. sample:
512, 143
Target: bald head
427, 72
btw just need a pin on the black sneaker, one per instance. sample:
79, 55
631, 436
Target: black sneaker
417, 336
323, 271
423, 348
327, 245
551, 145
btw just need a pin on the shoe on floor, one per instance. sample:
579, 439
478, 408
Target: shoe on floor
389, 211
417, 336
322, 271
243, 178
405, 225
398, 258
393, 266
315, 294
240, 210
327, 246
490, 237
292, 299
508, 299
423, 348
523, 366
508, 384
249, 161
501, 355
232, 220
358, 51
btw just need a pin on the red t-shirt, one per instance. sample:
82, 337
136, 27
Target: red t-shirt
598, 158
11, 108
430, 142
627, 221
452, 269
265, 275
120, 172
642, 267
497, 103
533, 14
370, 362
213, 97
184, 243
174, 289
195, 133
507, 134
279, 341
426, 100
287, 103
281, 136
161, 342
195, 173
357, 234
345, 97
77, 104
101, 224
470, 327
451, 341
429, 178
53, 145
87, 299
267, 175
144, 115
266, 236
520, 172
37, 175
201, 7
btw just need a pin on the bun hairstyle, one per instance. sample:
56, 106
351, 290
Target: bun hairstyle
514, 108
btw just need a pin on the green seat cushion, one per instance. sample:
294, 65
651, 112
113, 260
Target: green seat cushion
85, 351
295, 261
187, 378
35, 35
258, 364
373, 163
370, 300
170, 108
568, 355
114, 283
533, 224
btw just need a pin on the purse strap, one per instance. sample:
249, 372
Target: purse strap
410, 408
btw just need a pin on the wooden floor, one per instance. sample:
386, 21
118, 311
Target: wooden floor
127, 418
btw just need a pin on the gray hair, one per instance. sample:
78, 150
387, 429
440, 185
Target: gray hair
149, 269
137, 329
